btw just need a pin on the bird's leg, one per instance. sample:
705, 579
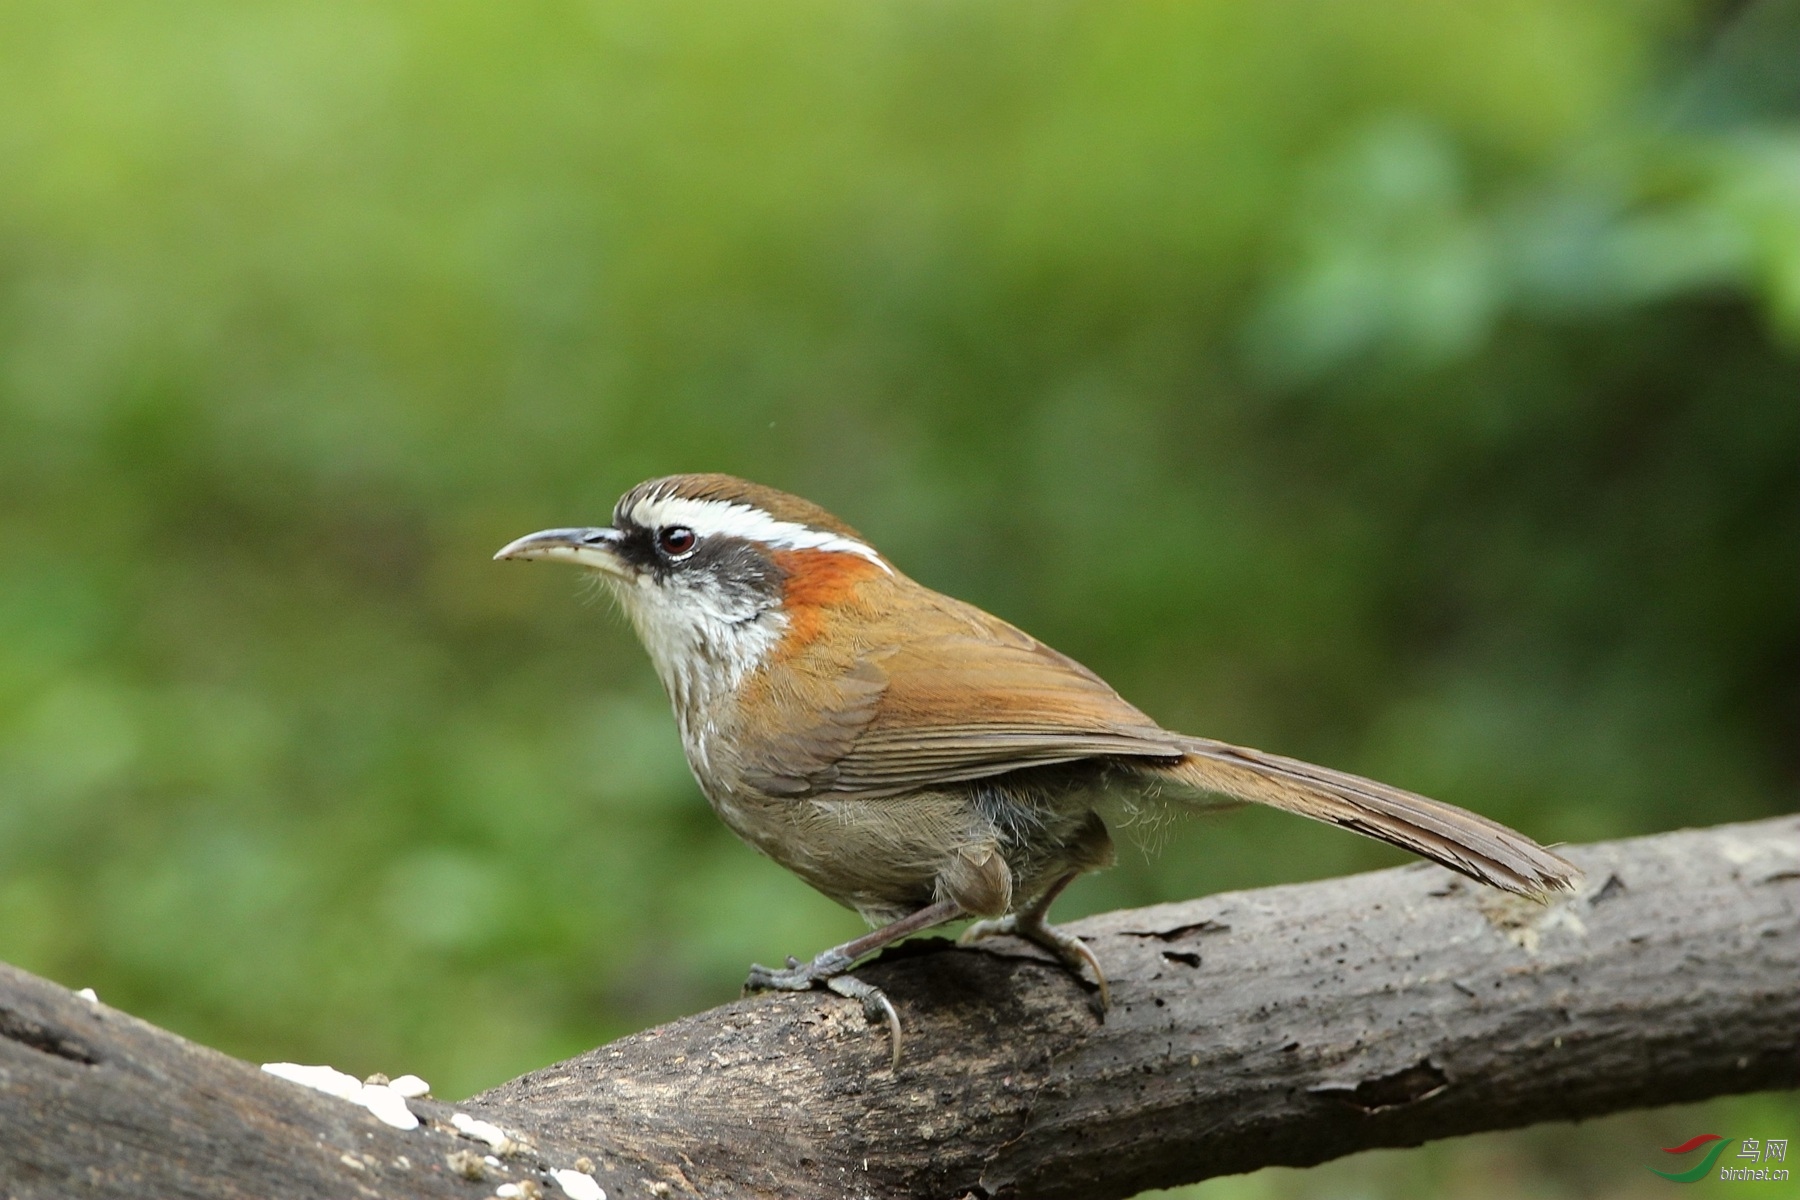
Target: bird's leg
1029, 923
830, 966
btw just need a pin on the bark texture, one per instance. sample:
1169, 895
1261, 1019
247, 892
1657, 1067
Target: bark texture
1284, 1026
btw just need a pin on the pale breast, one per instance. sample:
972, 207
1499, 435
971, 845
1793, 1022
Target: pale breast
882, 858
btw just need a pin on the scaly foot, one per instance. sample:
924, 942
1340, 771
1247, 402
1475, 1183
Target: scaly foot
1070, 950
800, 977
831, 967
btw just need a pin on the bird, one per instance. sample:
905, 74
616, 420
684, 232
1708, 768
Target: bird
917, 759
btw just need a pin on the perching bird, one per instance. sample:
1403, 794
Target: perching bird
915, 758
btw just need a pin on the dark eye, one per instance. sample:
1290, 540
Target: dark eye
675, 540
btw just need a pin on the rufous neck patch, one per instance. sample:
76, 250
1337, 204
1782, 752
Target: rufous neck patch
817, 581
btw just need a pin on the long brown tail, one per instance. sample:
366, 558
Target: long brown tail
1461, 840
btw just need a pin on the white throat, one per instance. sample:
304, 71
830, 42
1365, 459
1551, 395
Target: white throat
702, 645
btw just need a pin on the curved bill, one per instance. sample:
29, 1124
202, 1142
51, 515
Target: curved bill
594, 548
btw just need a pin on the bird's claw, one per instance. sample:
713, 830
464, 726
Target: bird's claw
876, 1007
801, 977
992, 927
1070, 950
795, 977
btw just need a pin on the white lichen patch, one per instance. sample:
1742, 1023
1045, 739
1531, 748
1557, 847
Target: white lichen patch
1524, 922
1739, 853
411, 1086
578, 1185
388, 1105
329, 1080
89, 995
486, 1131
1770, 859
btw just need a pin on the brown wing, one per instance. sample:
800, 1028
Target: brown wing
956, 695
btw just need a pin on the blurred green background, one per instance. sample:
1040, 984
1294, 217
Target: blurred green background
1409, 385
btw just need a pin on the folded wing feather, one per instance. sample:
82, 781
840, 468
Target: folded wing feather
959, 695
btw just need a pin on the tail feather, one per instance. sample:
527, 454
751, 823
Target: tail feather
1456, 838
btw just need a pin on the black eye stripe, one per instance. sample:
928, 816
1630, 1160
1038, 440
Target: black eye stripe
637, 545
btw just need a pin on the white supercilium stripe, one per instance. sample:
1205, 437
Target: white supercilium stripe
706, 517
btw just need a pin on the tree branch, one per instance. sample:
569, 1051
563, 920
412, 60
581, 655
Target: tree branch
1284, 1026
